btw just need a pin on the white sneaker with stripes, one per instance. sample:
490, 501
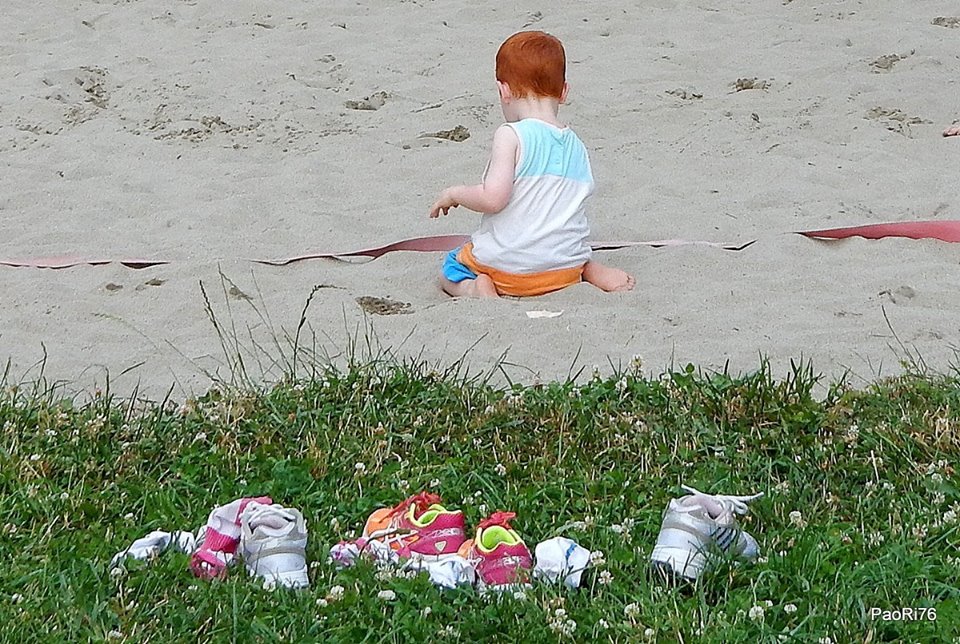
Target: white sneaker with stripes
273, 544
700, 526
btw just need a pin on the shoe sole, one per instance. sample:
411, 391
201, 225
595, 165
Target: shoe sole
288, 579
680, 563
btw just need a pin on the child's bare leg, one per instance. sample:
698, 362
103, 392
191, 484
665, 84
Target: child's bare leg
481, 287
607, 278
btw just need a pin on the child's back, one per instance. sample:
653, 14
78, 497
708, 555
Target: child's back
544, 225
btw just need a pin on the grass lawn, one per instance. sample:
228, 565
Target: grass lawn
862, 508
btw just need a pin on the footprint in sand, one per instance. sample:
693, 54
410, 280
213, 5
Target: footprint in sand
156, 281
685, 94
742, 84
950, 23
383, 306
459, 134
895, 120
886, 63
902, 292
370, 103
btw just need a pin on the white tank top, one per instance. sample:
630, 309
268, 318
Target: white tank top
544, 225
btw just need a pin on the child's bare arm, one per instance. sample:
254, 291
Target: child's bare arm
493, 194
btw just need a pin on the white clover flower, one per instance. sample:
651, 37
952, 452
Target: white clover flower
825, 640
426, 611
321, 603
950, 516
16, 598
617, 528
887, 485
605, 578
449, 631
559, 614
628, 524
435, 483
937, 478
519, 595
360, 468
597, 559
335, 593
387, 595
314, 565
500, 469
114, 635
797, 519
403, 484
790, 609
631, 611
64, 496
756, 613
117, 572
938, 498
34, 457
588, 521
767, 603
919, 532
649, 633
762, 560
200, 437
477, 494
603, 624
874, 539
482, 509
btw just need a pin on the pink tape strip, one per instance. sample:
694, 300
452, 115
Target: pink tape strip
67, 262
449, 242
948, 231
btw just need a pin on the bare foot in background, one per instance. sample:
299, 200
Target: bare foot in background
953, 130
608, 279
481, 287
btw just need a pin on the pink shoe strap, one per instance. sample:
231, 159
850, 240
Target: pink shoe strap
206, 565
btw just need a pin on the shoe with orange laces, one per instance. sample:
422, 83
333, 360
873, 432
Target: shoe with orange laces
501, 557
419, 527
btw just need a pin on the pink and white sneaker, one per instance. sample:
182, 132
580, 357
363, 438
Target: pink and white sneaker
500, 556
418, 527
218, 545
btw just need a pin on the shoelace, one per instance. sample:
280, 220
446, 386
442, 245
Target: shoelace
256, 513
736, 504
498, 518
421, 502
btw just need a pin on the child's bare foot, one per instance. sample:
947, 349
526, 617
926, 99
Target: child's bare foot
481, 287
952, 131
611, 280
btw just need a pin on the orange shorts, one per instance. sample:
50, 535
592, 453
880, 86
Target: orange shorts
521, 284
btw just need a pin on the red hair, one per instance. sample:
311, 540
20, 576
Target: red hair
532, 62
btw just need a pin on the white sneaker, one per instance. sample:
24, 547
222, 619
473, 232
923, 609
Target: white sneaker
699, 526
273, 544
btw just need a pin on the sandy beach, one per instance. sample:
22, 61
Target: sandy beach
209, 134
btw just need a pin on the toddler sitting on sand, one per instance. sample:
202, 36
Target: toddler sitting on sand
533, 234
